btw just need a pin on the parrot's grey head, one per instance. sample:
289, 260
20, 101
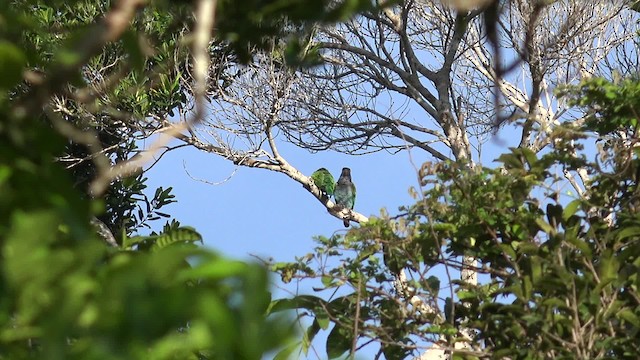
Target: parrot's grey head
346, 173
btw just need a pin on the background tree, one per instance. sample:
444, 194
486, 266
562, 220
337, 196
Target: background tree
428, 62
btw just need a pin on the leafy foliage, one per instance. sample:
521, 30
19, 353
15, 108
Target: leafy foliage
560, 271
65, 293
613, 106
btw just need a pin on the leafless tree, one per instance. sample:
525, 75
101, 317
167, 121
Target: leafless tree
419, 75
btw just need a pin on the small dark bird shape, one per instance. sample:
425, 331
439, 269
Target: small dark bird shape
345, 192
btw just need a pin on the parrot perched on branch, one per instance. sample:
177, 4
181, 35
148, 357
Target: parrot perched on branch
324, 181
345, 192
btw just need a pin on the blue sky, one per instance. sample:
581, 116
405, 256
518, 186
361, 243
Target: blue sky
264, 213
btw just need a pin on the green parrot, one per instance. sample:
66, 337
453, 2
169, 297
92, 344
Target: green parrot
324, 181
345, 192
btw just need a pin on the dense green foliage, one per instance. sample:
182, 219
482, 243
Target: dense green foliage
561, 271
73, 103
66, 295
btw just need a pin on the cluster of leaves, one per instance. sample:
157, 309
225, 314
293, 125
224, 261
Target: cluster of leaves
49, 32
363, 305
563, 281
612, 105
65, 293
562, 272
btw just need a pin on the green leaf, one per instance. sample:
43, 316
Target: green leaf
527, 287
171, 236
323, 320
508, 249
510, 160
327, 281
571, 209
536, 269
215, 270
434, 285
309, 335
608, 268
180, 235
628, 315
545, 226
128, 242
466, 294
5, 173
580, 244
287, 352
131, 44
12, 62
529, 155
308, 302
339, 341
629, 231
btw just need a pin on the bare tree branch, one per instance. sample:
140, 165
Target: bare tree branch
203, 32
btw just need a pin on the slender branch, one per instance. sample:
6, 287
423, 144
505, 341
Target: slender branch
203, 32
103, 231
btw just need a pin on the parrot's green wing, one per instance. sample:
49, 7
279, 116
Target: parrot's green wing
317, 177
330, 183
324, 181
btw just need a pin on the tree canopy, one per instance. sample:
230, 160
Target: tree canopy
534, 258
